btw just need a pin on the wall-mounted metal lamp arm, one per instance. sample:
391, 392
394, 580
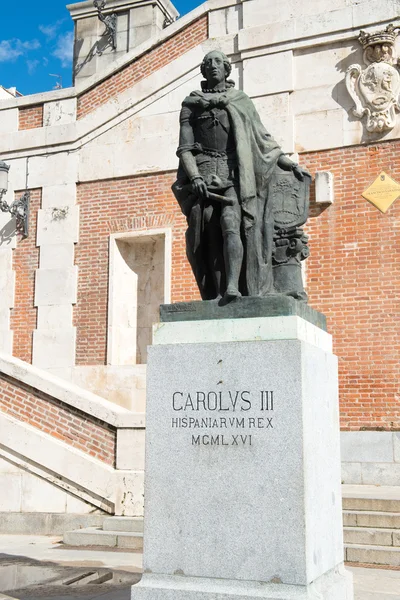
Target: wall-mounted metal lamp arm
109, 21
18, 209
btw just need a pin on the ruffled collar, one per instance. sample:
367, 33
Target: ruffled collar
229, 83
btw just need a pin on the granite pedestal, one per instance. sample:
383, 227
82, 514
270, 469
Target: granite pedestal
242, 488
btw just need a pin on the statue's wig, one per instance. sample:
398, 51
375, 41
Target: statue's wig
227, 64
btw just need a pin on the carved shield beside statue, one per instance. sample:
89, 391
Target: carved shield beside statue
290, 199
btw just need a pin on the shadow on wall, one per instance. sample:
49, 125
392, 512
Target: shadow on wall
97, 49
8, 232
339, 92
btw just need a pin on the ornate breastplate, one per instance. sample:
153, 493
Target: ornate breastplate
212, 129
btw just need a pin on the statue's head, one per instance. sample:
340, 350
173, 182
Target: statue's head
215, 67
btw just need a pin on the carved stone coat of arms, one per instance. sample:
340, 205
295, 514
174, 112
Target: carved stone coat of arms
376, 89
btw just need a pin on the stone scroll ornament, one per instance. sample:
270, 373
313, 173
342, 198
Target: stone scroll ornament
376, 89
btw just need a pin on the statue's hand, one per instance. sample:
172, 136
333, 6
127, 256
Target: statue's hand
199, 187
298, 172
288, 165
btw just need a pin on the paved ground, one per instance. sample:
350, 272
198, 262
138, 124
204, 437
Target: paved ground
49, 549
40, 567
376, 584
28, 562
114, 594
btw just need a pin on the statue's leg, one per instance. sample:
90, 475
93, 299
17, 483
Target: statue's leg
213, 249
233, 246
195, 249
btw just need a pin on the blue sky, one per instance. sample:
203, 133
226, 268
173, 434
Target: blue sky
36, 41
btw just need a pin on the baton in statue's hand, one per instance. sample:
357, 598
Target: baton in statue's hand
222, 199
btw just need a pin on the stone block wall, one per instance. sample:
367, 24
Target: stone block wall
371, 457
122, 385
28, 493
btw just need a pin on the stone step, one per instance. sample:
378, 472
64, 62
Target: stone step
46, 523
373, 555
125, 524
372, 504
371, 537
92, 536
372, 519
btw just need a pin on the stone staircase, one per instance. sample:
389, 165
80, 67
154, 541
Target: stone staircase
116, 532
371, 519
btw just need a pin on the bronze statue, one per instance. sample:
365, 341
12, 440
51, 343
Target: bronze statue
231, 177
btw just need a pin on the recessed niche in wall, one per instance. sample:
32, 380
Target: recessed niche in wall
139, 281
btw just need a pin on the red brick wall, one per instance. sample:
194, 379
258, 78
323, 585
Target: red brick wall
25, 263
157, 58
121, 205
353, 276
31, 117
57, 419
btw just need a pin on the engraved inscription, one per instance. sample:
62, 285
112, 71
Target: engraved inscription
223, 412
221, 440
183, 307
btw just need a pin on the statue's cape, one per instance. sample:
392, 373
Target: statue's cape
257, 154
257, 151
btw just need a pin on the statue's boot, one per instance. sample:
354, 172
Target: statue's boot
233, 254
232, 293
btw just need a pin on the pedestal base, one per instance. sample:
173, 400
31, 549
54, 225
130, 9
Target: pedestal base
276, 305
334, 585
242, 492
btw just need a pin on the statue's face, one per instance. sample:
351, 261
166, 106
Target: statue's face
214, 68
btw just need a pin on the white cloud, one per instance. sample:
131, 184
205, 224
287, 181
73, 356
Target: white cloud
10, 50
50, 31
32, 66
64, 48
8, 53
32, 45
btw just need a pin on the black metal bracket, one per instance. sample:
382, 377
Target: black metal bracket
20, 210
110, 23
168, 21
